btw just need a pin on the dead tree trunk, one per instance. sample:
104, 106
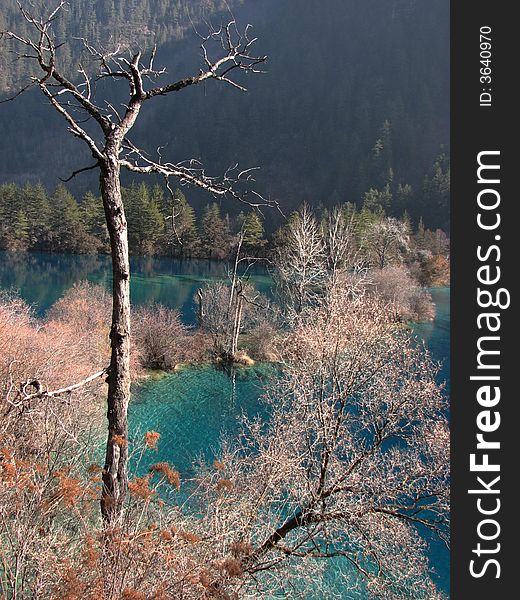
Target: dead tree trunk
115, 470
237, 324
77, 102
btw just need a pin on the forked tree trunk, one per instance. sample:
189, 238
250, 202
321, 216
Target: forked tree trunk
115, 476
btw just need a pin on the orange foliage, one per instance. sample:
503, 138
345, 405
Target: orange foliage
151, 439
241, 548
70, 490
94, 469
119, 440
91, 554
170, 474
140, 487
131, 594
232, 567
187, 536
71, 586
225, 484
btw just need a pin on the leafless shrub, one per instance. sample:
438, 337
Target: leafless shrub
45, 440
85, 308
261, 342
39, 356
227, 311
395, 286
353, 459
160, 336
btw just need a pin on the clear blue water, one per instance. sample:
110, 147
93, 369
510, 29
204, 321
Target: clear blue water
42, 278
436, 333
192, 407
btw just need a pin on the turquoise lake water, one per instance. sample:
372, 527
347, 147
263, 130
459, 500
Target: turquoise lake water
193, 407
42, 278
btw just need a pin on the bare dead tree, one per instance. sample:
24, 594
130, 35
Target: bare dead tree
300, 262
223, 307
339, 242
104, 129
241, 293
385, 242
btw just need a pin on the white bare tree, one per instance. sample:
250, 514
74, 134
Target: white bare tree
224, 308
341, 252
385, 242
300, 262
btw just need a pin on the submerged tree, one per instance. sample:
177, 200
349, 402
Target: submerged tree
104, 128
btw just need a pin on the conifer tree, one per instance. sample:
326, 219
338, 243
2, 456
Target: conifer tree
94, 218
69, 233
21, 231
214, 233
378, 200
37, 209
253, 230
182, 233
9, 206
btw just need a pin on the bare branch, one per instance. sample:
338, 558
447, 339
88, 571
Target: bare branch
24, 396
192, 173
238, 57
78, 171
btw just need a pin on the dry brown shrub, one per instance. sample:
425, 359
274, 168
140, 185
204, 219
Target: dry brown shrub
86, 309
168, 472
400, 292
140, 487
151, 439
50, 354
160, 337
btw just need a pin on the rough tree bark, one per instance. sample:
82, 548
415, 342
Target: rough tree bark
115, 469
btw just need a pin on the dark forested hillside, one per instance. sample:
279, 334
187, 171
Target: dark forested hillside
354, 106
106, 24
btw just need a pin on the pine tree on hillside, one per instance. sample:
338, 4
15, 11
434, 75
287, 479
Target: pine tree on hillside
21, 230
9, 207
37, 209
377, 200
145, 220
253, 230
93, 217
214, 233
182, 233
69, 234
